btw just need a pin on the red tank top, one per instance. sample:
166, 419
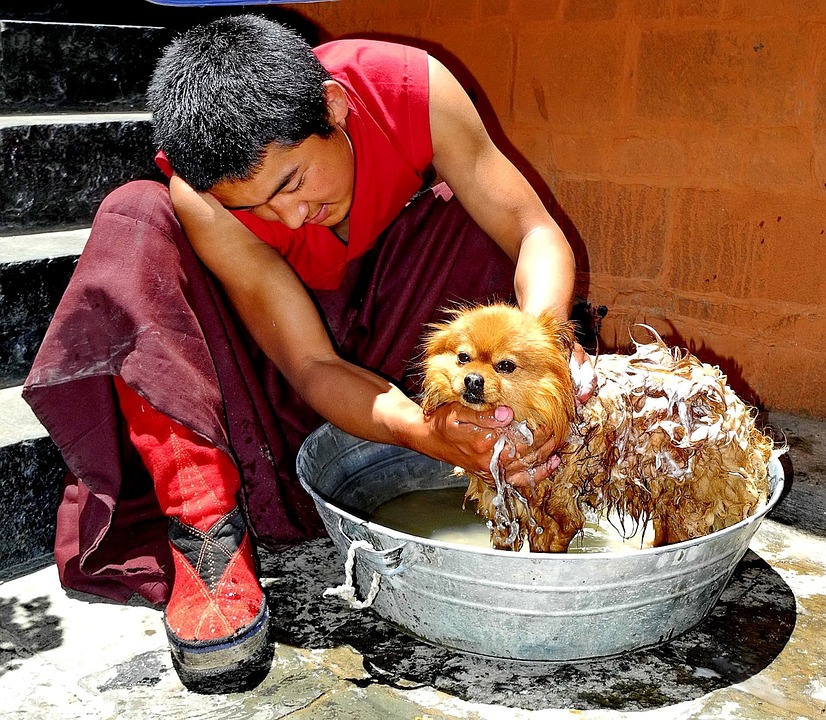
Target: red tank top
389, 126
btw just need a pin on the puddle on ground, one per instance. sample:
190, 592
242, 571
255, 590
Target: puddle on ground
438, 515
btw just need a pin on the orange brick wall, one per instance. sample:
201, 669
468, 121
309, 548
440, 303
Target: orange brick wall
680, 143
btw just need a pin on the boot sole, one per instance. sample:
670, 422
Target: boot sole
233, 664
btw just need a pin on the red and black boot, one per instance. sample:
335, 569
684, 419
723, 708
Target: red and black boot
216, 619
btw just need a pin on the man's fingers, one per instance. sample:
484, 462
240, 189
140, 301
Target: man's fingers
523, 456
533, 474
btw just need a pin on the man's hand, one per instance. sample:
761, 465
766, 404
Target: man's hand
465, 438
524, 464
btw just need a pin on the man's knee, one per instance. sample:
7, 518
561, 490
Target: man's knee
143, 200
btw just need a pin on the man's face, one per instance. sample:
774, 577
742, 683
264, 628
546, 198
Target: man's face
311, 183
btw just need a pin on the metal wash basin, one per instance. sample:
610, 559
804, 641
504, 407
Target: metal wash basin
523, 606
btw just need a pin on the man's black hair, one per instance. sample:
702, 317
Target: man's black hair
224, 91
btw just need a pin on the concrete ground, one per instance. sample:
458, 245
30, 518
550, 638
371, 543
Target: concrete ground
760, 654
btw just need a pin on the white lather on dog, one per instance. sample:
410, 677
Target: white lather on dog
664, 440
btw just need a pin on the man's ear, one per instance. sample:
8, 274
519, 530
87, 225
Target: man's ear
336, 101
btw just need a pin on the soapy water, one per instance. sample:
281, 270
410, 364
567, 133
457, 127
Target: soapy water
438, 515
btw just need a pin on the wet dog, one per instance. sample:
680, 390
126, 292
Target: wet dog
663, 441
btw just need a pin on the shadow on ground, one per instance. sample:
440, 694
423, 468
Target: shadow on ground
801, 505
747, 629
26, 628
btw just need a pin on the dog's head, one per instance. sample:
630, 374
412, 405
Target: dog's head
492, 355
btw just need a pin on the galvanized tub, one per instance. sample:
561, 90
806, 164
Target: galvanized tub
521, 606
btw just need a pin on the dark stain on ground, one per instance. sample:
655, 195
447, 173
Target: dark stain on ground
747, 629
642, 695
145, 669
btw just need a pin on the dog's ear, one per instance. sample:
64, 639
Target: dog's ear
434, 338
560, 331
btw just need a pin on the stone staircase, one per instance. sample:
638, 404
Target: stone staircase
73, 126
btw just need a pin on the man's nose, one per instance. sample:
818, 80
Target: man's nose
288, 211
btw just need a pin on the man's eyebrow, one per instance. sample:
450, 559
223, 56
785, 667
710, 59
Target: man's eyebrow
278, 188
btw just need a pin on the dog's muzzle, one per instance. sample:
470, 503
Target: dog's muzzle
474, 393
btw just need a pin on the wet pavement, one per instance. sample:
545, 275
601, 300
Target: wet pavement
760, 654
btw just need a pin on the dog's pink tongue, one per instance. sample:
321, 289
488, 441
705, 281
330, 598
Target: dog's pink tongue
503, 414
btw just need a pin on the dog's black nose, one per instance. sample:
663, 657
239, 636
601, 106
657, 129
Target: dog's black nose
475, 383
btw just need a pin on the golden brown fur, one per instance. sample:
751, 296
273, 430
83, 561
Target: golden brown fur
663, 440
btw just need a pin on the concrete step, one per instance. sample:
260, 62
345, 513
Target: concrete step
73, 127
56, 67
34, 272
58, 168
31, 478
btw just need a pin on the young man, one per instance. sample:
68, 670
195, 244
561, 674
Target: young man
299, 179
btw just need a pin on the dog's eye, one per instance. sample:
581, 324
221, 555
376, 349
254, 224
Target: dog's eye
463, 358
505, 366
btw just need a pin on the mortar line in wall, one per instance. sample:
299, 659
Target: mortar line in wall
762, 305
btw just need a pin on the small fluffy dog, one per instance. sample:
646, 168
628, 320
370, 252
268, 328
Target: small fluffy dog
663, 440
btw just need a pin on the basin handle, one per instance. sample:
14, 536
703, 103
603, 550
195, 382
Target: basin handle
383, 563
347, 591
387, 563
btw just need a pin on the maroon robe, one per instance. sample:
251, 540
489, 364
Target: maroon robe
141, 305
